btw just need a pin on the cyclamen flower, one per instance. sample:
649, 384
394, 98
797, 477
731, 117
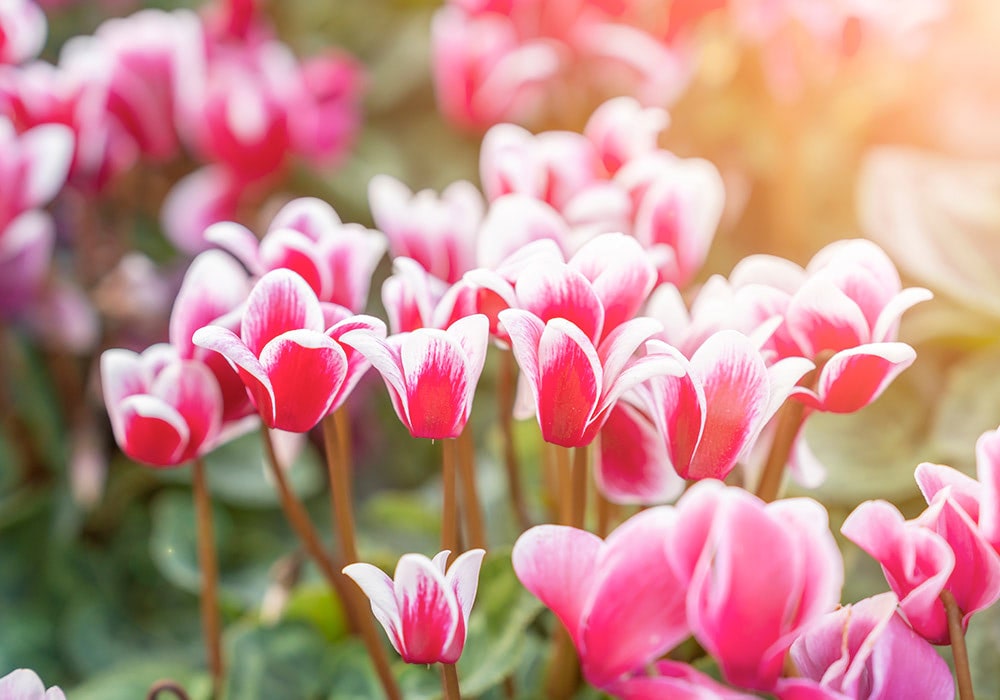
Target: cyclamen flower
620, 599
22, 31
713, 413
672, 679
424, 609
575, 384
846, 304
307, 236
866, 651
755, 574
164, 410
295, 372
431, 374
23, 684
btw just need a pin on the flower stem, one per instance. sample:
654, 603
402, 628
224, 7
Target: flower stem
963, 674
209, 565
338, 460
564, 474
449, 514
475, 530
167, 686
298, 518
562, 676
449, 682
578, 512
505, 401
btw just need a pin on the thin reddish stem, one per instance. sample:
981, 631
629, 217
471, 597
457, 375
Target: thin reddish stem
449, 513
564, 473
505, 402
208, 563
449, 682
959, 652
474, 527
581, 471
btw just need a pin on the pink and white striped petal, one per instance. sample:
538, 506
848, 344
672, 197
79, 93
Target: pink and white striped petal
463, 577
377, 585
557, 564
887, 324
988, 471
636, 608
429, 615
292, 250
621, 275
633, 466
280, 301
214, 285
151, 430
822, 317
305, 369
855, 377
570, 380
438, 384
558, 291
191, 388
238, 241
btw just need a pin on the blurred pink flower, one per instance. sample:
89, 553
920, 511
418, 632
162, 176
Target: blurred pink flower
424, 609
22, 31
23, 684
673, 679
620, 600
431, 374
866, 651
755, 574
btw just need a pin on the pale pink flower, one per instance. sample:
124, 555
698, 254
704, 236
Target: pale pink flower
622, 129
22, 31
673, 679
755, 574
198, 200
865, 651
423, 608
620, 600
23, 684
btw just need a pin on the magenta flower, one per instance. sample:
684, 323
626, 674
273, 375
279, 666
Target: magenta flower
756, 574
575, 384
622, 129
307, 236
22, 31
439, 232
713, 413
295, 372
424, 610
942, 549
846, 303
164, 411
673, 679
23, 684
620, 600
866, 651
431, 374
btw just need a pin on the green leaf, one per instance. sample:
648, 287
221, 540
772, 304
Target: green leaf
316, 604
353, 675
174, 540
290, 660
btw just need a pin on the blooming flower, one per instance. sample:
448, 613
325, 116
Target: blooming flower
23, 684
865, 651
431, 374
164, 410
22, 31
424, 609
619, 599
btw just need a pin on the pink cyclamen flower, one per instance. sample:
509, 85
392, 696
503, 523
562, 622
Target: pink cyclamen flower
846, 304
979, 498
294, 370
866, 651
424, 609
619, 599
713, 413
307, 236
673, 679
431, 374
755, 575
23, 684
164, 410
575, 384
22, 31
439, 232
942, 549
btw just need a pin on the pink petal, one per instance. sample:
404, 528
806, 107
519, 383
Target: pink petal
513, 221
292, 250
379, 589
280, 301
308, 215
213, 286
678, 407
463, 577
620, 273
351, 257
854, 378
525, 331
48, 150
191, 388
632, 464
569, 385
122, 375
152, 431
679, 681
21, 684
473, 335
821, 317
934, 478
429, 614
439, 384
305, 369
635, 610
384, 355
558, 291
557, 564
357, 363
197, 201
884, 328
988, 470
238, 241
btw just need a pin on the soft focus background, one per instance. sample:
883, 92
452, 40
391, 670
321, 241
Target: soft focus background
827, 120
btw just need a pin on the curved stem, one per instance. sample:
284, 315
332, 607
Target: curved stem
335, 432
475, 529
963, 674
208, 562
167, 686
449, 513
298, 518
449, 682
